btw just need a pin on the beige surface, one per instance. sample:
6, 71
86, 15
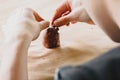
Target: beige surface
79, 42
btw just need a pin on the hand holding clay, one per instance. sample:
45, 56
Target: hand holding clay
70, 11
24, 22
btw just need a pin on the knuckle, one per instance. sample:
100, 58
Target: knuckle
24, 10
22, 14
28, 9
28, 13
67, 19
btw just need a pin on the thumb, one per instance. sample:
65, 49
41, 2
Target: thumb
44, 24
66, 19
62, 20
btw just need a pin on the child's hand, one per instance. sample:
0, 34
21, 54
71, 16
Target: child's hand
70, 11
24, 22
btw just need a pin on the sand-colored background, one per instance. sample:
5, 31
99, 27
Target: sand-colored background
79, 42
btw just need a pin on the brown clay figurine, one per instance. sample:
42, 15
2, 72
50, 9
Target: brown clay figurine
51, 38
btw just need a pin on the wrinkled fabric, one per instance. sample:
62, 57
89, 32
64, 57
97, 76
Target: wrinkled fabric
105, 67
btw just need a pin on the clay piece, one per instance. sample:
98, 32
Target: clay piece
51, 38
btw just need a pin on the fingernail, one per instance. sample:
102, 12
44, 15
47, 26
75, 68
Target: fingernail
54, 23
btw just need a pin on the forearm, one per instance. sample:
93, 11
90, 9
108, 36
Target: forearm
14, 60
101, 14
20, 29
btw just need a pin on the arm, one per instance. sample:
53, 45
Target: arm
105, 14
21, 28
14, 61
70, 11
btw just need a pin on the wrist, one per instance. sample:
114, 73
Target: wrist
17, 42
14, 59
16, 45
19, 37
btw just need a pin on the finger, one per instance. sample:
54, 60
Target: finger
37, 17
66, 13
62, 21
90, 22
60, 10
73, 22
22, 13
44, 24
25, 13
28, 13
